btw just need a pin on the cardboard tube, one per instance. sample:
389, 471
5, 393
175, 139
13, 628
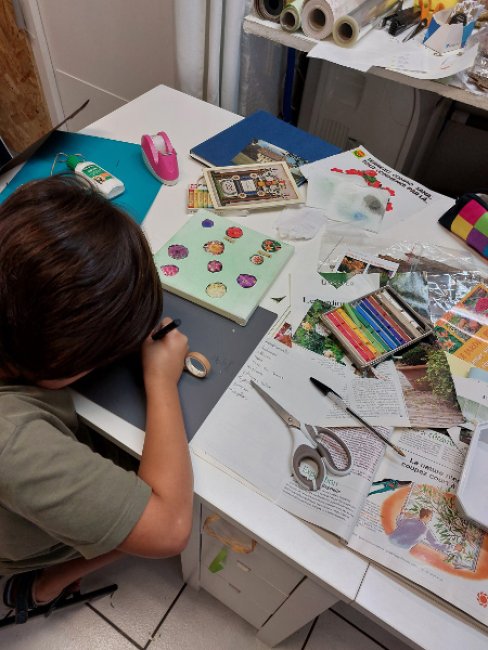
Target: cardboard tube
318, 16
348, 29
269, 9
290, 17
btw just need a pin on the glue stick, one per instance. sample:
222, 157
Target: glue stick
101, 179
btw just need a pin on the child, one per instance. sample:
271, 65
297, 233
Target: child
79, 289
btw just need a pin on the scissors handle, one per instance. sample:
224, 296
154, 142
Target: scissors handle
329, 461
308, 468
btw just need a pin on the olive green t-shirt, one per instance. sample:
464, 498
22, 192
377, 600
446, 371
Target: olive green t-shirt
58, 498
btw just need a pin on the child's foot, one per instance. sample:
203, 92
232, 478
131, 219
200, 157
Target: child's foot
22, 594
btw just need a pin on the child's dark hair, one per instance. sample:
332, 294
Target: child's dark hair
78, 285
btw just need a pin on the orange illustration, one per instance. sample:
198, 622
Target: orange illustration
470, 542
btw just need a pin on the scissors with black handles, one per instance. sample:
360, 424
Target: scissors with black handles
310, 456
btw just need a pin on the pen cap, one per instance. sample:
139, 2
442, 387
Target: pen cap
74, 160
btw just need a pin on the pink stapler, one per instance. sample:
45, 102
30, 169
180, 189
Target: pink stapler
160, 157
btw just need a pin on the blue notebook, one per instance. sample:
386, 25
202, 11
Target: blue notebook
122, 159
220, 150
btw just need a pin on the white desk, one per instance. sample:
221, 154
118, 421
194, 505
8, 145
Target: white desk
330, 571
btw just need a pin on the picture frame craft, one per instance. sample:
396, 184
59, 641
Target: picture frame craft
263, 185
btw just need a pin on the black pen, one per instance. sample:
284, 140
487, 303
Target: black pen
166, 329
337, 399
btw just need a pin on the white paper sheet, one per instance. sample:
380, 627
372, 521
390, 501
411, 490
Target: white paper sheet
406, 196
375, 48
411, 58
244, 434
344, 198
426, 64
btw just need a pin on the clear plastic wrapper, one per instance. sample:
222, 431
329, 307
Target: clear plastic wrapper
446, 289
406, 256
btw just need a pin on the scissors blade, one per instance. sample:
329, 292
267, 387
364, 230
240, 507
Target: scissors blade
279, 410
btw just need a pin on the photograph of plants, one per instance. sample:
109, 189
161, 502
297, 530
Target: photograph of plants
428, 388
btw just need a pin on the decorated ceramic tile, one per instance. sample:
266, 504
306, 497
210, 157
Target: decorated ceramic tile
221, 265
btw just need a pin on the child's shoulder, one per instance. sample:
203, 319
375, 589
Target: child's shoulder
23, 405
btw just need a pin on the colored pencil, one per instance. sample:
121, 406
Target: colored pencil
389, 318
357, 329
348, 334
366, 329
368, 305
386, 338
392, 305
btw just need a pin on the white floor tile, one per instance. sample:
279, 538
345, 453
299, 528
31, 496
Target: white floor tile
200, 622
146, 590
333, 633
77, 628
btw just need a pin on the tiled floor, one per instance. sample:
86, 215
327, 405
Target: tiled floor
153, 609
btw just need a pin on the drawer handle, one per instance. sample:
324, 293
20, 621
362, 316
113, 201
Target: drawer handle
228, 535
234, 588
243, 567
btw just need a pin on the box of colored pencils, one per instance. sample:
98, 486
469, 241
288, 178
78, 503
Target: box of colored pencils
375, 327
198, 197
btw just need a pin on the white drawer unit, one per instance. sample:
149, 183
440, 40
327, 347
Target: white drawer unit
254, 584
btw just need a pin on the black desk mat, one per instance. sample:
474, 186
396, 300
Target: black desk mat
119, 387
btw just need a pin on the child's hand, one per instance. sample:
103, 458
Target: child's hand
163, 360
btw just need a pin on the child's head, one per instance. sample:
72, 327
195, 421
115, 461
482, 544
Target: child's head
78, 285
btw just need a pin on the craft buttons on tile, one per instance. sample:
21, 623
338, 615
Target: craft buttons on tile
234, 232
214, 266
214, 247
271, 246
257, 259
207, 223
246, 281
169, 270
178, 251
216, 290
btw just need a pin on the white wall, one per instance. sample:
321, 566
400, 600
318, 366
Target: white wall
107, 50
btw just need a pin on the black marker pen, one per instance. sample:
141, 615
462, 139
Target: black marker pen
166, 329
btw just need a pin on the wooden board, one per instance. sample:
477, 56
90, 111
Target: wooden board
24, 115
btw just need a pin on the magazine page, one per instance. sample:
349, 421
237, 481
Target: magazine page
337, 505
410, 522
462, 332
244, 435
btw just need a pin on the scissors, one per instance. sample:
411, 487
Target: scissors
310, 456
428, 8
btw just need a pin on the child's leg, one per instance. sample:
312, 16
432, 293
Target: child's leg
51, 582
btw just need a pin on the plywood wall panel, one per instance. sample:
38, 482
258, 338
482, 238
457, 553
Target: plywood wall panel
24, 115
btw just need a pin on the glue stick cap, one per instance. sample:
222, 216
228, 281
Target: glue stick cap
73, 160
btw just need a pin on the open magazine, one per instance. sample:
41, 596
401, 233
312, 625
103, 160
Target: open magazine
410, 523
400, 512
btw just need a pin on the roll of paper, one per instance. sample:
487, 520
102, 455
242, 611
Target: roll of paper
318, 16
291, 16
269, 9
348, 29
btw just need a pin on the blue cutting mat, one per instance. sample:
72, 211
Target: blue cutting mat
122, 159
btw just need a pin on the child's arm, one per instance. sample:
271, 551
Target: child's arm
165, 524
